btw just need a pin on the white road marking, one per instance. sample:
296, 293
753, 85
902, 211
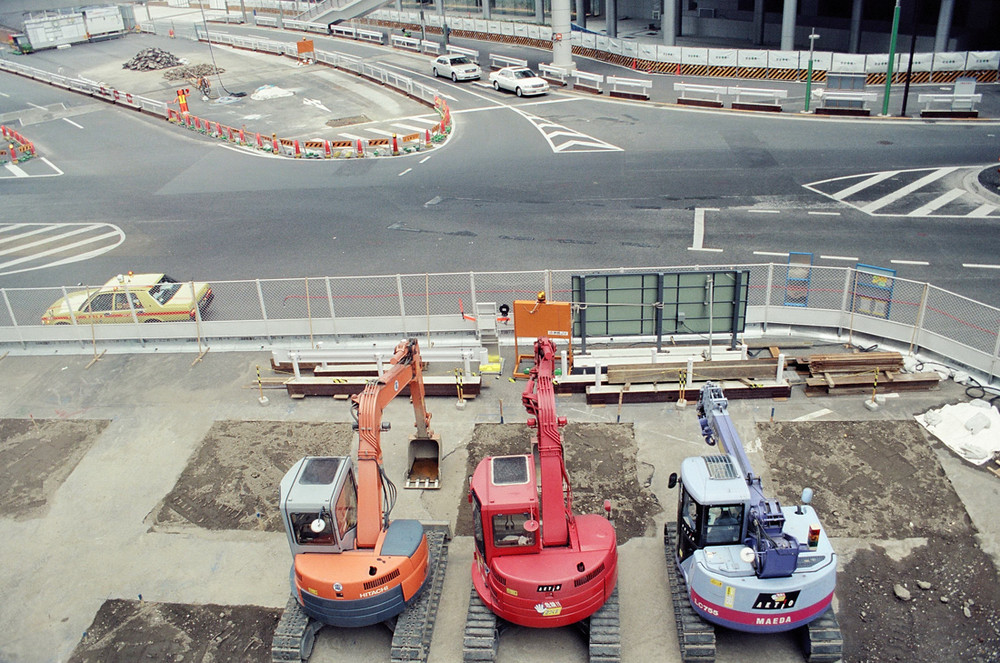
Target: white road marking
36, 106
4, 94
316, 103
60, 249
983, 210
404, 172
50, 164
66, 119
938, 202
973, 265
922, 263
578, 142
423, 160
909, 188
48, 240
44, 228
863, 184
423, 120
408, 127
764, 211
847, 258
14, 169
351, 136
698, 241
823, 213
380, 132
813, 415
777, 254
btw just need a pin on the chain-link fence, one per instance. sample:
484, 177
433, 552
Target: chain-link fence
844, 301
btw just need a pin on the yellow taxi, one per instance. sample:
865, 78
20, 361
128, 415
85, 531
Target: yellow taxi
129, 298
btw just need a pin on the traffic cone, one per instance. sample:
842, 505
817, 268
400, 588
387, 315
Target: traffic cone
274, 144
633, 64
395, 146
427, 137
298, 152
31, 148
243, 137
326, 149
677, 69
4, 127
361, 149
260, 143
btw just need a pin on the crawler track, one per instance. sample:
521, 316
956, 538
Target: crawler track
695, 636
604, 632
822, 641
294, 636
481, 635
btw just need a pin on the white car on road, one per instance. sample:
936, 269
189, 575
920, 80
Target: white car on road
519, 80
457, 67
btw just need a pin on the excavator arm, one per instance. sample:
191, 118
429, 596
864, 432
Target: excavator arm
372, 483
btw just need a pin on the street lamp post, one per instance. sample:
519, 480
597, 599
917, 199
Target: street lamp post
892, 56
809, 72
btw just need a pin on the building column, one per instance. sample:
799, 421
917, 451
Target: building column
943, 26
788, 26
668, 22
611, 18
562, 50
854, 41
539, 11
581, 13
757, 36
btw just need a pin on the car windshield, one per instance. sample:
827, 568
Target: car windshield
165, 288
524, 73
460, 60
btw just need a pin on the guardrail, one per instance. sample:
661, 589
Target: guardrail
629, 88
552, 74
756, 93
501, 61
470, 53
587, 82
956, 102
702, 91
835, 302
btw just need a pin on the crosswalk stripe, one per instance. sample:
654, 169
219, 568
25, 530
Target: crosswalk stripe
351, 136
864, 184
37, 231
380, 132
407, 127
58, 249
15, 170
48, 240
982, 211
938, 202
908, 189
423, 120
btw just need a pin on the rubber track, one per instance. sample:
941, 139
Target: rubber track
481, 635
605, 638
289, 634
411, 639
695, 636
823, 642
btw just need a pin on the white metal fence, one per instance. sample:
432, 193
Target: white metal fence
833, 300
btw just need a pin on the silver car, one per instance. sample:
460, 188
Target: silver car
458, 67
519, 80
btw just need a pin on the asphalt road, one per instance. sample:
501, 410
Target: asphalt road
563, 181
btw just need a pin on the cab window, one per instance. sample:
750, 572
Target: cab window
305, 531
477, 524
347, 508
100, 302
723, 524
508, 530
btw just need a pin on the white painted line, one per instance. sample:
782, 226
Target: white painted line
983, 210
37, 106
66, 119
58, 172
14, 169
764, 211
43, 228
823, 213
813, 415
423, 120
777, 254
408, 127
4, 94
847, 258
47, 240
351, 136
699, 229
863, 184
908, 189
59, 249
380, 132
691, 248
922, 263
938, 202
973, 265
423, 160
6, 228
404, 172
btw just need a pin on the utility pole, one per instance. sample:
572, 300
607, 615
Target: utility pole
809, 72
892, 56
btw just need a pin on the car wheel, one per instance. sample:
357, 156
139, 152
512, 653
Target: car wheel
149, 320
435, 72
518, 92
496, 85
454, 78
61, 323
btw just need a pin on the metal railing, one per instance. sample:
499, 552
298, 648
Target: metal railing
835, 300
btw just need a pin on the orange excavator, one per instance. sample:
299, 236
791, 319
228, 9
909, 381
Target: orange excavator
352, 565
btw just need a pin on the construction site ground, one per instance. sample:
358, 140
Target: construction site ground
139, 512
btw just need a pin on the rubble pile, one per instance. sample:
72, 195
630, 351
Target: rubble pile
192, 71
151, 59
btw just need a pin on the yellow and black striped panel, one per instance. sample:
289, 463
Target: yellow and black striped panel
694, 69
983, 76
723, 72
943, 76
753, 72
785, 74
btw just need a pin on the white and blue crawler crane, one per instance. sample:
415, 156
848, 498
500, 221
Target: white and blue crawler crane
740, 560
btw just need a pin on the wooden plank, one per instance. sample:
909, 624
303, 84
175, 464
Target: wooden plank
435, 385
704, 370
659, 393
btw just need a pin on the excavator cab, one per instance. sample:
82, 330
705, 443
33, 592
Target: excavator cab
504, 501
319, 504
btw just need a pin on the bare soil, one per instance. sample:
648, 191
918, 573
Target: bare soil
36, 456
600, 459
232, 481
880, 481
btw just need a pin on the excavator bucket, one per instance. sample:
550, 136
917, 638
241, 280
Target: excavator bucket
423, 459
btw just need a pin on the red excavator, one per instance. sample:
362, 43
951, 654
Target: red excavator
353, 566
538, 564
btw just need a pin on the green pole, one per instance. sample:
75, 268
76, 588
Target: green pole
809, 70
892, 56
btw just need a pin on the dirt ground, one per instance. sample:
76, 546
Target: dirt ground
36, 456
232, 481
600, 459
880, 481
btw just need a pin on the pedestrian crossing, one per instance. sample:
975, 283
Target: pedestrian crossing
25, 247
410, 125
37, 167
948, 192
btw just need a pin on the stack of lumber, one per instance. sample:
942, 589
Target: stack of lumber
347, 379
862, 372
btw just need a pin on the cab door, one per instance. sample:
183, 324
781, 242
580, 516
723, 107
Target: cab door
689, 525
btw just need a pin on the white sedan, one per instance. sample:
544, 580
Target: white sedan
519, 80
457, 67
